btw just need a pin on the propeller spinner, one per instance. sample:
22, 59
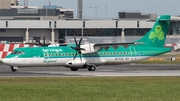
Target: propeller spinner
78, 48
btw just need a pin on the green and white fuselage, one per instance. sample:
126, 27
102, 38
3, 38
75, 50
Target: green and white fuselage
92, 55
59, 56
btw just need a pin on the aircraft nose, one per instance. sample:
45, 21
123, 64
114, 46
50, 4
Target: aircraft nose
6, 61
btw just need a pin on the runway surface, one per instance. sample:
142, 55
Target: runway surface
107, 70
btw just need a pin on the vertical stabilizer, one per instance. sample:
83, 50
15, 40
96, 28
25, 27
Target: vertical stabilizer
156, 37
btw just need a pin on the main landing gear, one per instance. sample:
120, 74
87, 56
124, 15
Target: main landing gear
14, 68
89, 67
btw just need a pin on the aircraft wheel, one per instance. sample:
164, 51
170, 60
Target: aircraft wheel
14, 69
92, 68
74, 69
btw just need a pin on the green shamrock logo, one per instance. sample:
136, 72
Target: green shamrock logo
157, 34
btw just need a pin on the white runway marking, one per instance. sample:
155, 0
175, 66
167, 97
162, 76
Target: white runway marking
104, 73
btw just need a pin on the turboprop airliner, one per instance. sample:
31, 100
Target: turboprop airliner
90, 55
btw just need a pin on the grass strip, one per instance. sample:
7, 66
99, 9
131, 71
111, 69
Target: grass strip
90, 89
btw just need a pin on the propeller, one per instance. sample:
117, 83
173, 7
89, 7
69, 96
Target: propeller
78, 48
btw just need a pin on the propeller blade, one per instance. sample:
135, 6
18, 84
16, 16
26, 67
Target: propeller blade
73, 48
75, 56
44, 44
75, 40
80, 41
82, 49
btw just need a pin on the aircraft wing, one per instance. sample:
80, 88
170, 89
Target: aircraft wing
111, 44
114, 45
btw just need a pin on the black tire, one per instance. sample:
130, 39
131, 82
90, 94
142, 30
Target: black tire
13, 70
74, 69
92, 68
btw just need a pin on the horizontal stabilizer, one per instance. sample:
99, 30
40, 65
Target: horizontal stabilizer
173, 19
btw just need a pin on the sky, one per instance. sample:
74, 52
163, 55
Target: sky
109, 8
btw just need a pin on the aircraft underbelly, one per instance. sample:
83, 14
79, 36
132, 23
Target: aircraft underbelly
123, 60
117, 60
95, 61
39, 62
62, 61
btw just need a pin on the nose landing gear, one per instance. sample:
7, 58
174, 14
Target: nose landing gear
14, 68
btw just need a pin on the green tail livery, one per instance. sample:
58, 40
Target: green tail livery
89, 56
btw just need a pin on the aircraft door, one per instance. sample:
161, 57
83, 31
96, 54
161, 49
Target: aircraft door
46, 55
133, 53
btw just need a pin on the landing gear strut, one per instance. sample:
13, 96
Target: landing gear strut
14, 69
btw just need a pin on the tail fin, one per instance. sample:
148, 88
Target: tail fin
157, 35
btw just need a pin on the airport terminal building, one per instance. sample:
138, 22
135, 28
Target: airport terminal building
57, 24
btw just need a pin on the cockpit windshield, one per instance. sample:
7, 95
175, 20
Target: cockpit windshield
17, 52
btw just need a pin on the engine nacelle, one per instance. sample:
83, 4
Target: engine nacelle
89, 48
76, 64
